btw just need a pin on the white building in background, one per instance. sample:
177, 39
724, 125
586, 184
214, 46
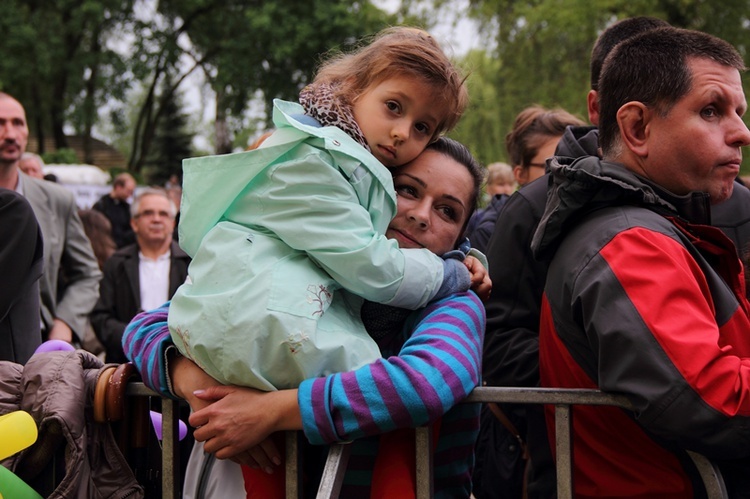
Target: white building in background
87, 182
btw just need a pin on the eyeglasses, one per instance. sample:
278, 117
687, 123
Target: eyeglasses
153, 213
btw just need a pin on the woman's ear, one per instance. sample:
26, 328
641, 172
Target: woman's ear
633, 120
521, 174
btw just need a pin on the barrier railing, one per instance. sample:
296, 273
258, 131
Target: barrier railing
563, 400
170, 461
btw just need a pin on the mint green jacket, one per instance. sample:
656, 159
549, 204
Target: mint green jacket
286, 241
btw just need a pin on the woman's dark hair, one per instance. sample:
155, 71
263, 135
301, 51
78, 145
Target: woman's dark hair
532, 128
99, 231
460, 153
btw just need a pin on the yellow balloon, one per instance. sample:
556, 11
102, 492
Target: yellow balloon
17, 431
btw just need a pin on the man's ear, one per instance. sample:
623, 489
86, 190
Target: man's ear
633, 120
592, 100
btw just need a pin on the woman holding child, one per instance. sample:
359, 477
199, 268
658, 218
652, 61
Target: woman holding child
391, 117
436, 358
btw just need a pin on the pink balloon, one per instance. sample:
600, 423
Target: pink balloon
54, 345
156, 422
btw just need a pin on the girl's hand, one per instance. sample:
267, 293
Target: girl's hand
480, 279
239, 419
264, 456
187, 377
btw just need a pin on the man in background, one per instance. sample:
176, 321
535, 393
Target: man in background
21, 259
116, 208
643, 297
511, 345
141, 276
70, 284
32, 165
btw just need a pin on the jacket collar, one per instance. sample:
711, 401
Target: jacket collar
580, 186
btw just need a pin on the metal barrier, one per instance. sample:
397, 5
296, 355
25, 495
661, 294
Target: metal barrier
170, 458
563, 400
335, 468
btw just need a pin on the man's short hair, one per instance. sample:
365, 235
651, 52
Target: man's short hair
122, 179
653, 68
151, 191
618, 32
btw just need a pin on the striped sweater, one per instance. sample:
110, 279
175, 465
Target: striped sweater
437, 366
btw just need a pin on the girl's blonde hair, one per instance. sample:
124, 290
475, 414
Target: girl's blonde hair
394, 52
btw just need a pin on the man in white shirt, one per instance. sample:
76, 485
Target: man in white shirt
141, 276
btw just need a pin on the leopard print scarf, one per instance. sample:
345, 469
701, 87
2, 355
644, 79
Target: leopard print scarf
320, 102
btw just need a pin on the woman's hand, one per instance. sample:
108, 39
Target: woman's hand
238, 419
480, 278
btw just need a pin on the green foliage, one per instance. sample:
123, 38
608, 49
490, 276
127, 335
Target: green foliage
114, 65
64, 156
56, 60
68, 61
272, 47
480, 129
542, 49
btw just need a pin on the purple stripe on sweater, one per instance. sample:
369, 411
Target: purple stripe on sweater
389, 392
432, 400
456, 322
447, 370
357, 405
318, 392
427, 393
431, 337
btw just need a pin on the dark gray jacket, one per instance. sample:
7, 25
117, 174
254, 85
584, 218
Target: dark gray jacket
57, 389
21, 262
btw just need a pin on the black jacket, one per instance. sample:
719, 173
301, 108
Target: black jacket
21, 265
118, 213
511, 344
733, 218
120, 295
644, 299
483, 224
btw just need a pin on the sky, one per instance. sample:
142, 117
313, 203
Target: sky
454, 31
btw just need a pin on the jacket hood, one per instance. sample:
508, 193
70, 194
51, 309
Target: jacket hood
578, 141
580, 186
211, 184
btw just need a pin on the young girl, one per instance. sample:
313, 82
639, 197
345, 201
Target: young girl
287, 240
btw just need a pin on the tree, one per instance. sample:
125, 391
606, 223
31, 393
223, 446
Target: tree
541, 51
271, 47
171, 144
66, 60
481, 128
57, 63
